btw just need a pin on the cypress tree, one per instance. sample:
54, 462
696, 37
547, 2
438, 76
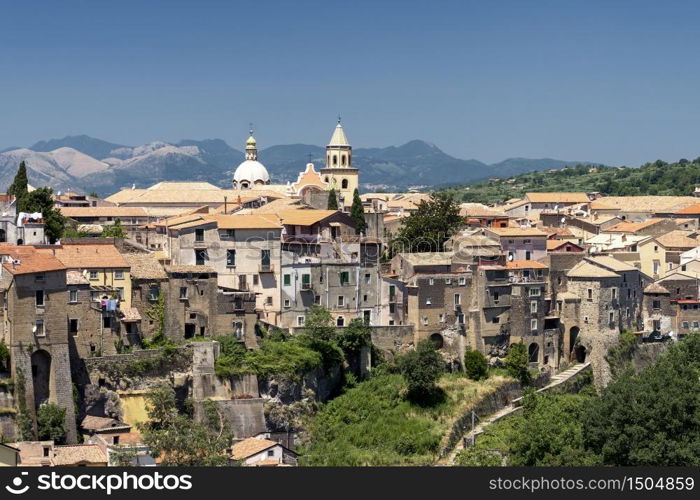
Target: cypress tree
18, 188
357, 212
332, 200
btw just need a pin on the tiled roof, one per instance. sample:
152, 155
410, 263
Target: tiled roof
249, 447
304, 217
554, 244
690, 210
102, 212
428, 258
144, 266
557, 197
517, 231
654, 204
611, 263
631, 227
88, 256
78, 454
525, 264
677, 239
479, 210
30, 260
189, 269
587, 270
93, 423
253, 221
656, 288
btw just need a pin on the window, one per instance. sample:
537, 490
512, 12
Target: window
229, 234
460, 318
612, 317
527, 242
533, 324
686, 324
528, 255
199, 235
533, 307
424, 319
268, 300
448, 281
458, 299
341, 301
656, 248
256, 279
93, 275
442, 317
344, 277
496, 297
428, 300
287, 303
495, 320
39, 277
656, 304
73, 296
392, 292
300, 320
73, 326
364, 298
39, 328
287, 279
230, 258
119, 275
317, 299
153, 292
40, 298
392, 308
265, 259
614, 293
107, 322
683, 267
183, 292
95, 296
534, 292
368, 278
590, 294
462, 280
200, 257
305, 281
344, 184
270, 453
431, 281
340, 321
120, 291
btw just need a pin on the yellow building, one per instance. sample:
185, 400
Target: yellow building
339, 172
662, 254
100, 263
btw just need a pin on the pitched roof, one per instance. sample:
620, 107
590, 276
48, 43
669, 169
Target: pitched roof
102, 212
479, 210
656, 288
611, 263
249, 447
525, 264
252, 221
87, 256
339, 138
78, 454
30, 260
631, 227
189, 269
145, 266
557, 197
677, 239
690, 210
428, 258
517, 231
304, 217
587, 270
554, 244
653, 204
93, 423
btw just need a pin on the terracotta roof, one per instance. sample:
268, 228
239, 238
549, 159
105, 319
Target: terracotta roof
428, 258
253, 221
273, 207
130, 315
145, 266
517, 231
653, 204
304, 217
525, 264
690, 210
479, 210
87, 256
249, 447
557, 197
78, 454
612, 263
92, 423
73, 212
587, 270
189, 269
677, 239
30, 260
631, 227
554, 244
656, 288
558, 231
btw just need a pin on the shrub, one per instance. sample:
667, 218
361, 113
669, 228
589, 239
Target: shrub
421, 369
475, 365
516, 363
51, 423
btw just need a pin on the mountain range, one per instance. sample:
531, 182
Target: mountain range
86, 164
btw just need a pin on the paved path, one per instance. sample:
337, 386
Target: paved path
513, 407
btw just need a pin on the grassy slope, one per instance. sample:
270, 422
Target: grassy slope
373, 424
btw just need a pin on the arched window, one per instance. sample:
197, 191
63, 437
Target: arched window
340, 321
342, 160
344, 184
335, 159
326, 179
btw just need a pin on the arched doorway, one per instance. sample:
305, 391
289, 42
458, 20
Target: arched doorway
573, 338
437, 340
41, 376
580, 352
3, 236
533, 353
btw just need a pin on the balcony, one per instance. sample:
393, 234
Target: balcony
503, 301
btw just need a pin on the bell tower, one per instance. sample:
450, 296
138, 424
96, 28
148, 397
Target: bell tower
339, 170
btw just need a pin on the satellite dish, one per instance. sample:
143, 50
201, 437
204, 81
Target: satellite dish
510, 257
563, 220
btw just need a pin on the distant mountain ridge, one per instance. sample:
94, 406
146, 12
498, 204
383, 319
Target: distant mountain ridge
87, 164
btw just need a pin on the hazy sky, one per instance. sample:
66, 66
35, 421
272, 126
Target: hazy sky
609, 81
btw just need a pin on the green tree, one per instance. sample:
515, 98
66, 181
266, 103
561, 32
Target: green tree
475, 365
421, 369
41, 200
51, 423
114, 231
650, 418
430, 226
332, 200
516, 363
318, 323
19, 187
357, 212
354, 337
4, 356
178, 439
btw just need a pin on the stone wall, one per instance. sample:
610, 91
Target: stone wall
244, 417
393, 340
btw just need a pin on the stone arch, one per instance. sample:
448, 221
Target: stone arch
573, 335
437, 340
41, 376
533, 352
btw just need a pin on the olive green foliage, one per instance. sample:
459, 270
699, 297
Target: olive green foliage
156, 313
357, 212
516, 363
114, 231
475, 365
231, 357
51, 423
657, 178
373, 424
619, 356
4, 356
479, 457
24, 422
429, 227
421, 368
288, 358
332, 200
650, 418
180, 441
354, 337
41, 200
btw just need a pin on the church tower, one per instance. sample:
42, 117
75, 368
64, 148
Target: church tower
339, 172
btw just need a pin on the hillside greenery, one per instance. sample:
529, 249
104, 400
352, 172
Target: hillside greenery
657, 178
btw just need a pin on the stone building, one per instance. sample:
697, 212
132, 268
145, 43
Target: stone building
339, 172
191, 302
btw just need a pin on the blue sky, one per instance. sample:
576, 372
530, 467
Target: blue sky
608, 81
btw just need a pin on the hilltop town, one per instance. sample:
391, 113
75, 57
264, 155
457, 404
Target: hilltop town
260, 302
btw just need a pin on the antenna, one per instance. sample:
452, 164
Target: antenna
250, 127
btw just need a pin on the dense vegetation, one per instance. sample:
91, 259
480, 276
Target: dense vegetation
657, 178
646, 418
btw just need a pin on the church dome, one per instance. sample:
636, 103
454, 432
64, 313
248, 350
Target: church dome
250, 172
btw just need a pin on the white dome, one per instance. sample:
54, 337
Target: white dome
251, 172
